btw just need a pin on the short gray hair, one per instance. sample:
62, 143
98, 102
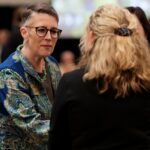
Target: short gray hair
38, 8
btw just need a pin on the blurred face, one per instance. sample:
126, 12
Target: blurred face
67, 57
40, 34
4, 36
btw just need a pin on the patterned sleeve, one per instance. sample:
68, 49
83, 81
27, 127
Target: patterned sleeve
18, 104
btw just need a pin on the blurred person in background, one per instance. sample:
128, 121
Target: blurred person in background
67, 61
106, 103
28, 81
143, 23
15, 35
4, 36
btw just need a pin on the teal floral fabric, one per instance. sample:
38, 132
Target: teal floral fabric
25, 109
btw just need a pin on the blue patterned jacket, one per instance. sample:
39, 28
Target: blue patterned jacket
24, 105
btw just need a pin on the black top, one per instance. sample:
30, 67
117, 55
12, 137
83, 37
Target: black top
82, 119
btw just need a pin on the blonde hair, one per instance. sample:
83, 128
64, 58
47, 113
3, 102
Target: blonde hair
123, 62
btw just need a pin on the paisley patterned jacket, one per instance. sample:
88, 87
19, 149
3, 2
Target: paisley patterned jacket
24, 105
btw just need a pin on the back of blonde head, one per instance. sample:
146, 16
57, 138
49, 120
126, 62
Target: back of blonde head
123, 62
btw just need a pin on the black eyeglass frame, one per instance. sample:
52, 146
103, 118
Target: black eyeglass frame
52, 31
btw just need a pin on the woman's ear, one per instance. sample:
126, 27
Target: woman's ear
24, 32
89, 40
92, 36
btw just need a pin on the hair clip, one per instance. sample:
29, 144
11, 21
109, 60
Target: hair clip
123, 31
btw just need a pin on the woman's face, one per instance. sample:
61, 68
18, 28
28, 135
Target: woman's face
41, 46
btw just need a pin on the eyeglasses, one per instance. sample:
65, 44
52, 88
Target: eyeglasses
42, 31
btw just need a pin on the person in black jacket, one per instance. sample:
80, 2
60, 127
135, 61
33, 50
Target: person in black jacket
14, 40
15, 36
105, 104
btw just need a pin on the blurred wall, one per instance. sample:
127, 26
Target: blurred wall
20, 2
